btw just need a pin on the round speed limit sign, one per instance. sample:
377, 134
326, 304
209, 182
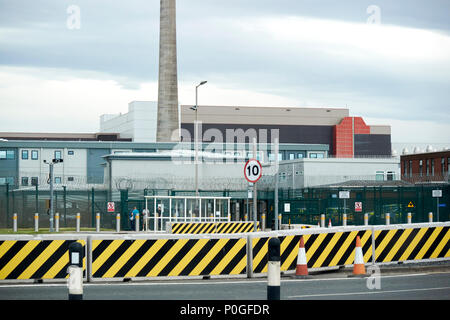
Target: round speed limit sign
252, 170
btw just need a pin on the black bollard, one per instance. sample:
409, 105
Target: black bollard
273, 271
75, 270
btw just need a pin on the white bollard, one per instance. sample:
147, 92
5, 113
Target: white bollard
322, 220
388, 218
366, 219
36, 222
136, 224
78, 221
263, 221
344, 219
430, 217
97, 222
56, 222
75, 270
15, 222
118, 222
409, 218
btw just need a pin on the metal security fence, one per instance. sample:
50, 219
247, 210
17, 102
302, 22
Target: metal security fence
296, 206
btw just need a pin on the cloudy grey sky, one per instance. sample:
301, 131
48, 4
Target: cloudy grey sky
387, 61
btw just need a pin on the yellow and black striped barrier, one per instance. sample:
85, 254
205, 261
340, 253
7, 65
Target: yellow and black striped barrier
119, 258
412, 244
326, 249
212, 227
35, 259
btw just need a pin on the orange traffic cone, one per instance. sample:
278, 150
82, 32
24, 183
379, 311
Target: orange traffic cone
329, 223
358, 265
302, 268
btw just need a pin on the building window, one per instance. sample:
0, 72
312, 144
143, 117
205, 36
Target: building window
70, 179
58, 180
313, 155
7, 155
34, 181
34, 155
410, 168
25, 181
428, 167
58, 154
291, 156
390, 176
7, 180
432, 167
70, 152
405, 168
443, 166
379, 176
448, 165
300, 155
24, 154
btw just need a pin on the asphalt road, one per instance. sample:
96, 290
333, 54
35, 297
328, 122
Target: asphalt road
412, 286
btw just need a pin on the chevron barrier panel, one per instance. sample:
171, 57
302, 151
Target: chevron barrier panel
211, 227
170, 255
324, 248
27, 258
411, 242
174, 256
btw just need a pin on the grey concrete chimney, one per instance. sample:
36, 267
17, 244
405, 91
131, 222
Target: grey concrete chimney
167, 83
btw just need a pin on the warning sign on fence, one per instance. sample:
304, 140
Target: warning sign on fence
110, 207
358, 206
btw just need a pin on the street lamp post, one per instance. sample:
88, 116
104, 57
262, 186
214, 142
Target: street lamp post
50, 164
195, 108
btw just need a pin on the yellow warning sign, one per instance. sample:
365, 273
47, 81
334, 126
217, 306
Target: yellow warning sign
410, 205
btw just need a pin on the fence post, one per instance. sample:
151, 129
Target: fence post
15, 222
118, 222
36, 222
430, 217
78, 222
388, 218
57, 222
97, 222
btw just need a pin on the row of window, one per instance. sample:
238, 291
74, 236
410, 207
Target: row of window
34, 180
35, 154
30, 154
429, 167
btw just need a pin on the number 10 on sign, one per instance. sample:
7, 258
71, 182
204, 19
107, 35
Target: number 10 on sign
252, 170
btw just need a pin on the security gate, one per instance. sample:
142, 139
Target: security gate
163, 209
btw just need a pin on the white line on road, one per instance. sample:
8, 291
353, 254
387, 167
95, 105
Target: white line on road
364, 293
204, 282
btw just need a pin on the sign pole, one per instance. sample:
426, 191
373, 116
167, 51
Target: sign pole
255, 196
